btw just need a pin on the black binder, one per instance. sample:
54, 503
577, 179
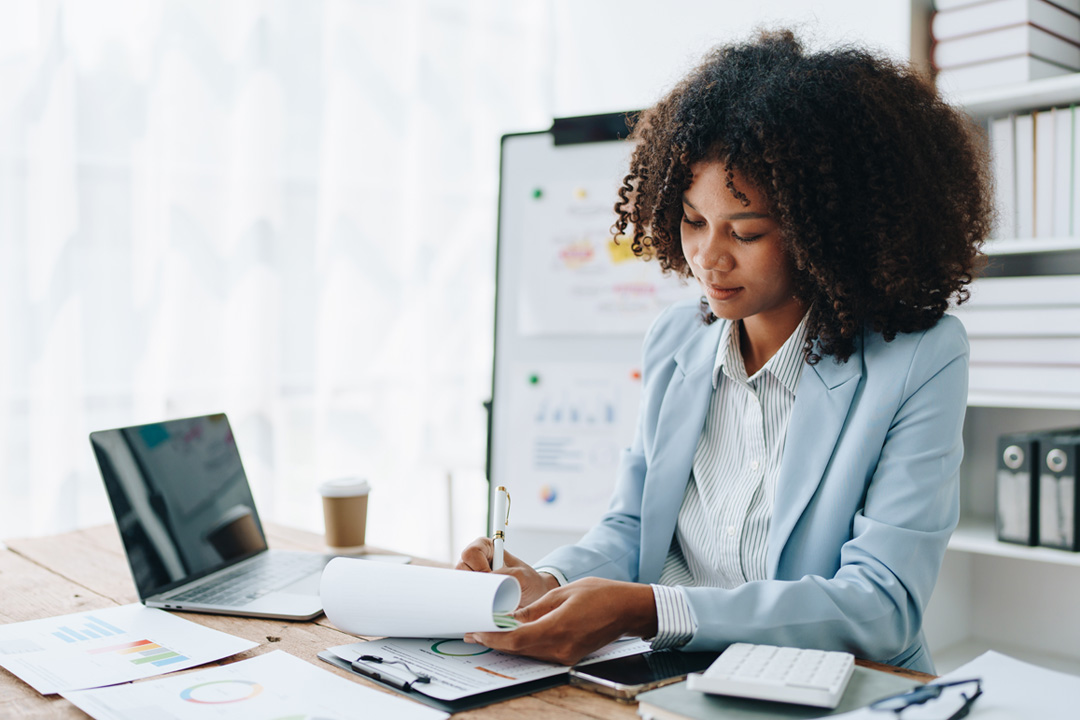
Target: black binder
1059, 506
1017, 488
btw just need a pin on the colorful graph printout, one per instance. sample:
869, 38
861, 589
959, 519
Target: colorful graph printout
140, 652
459, 648
221, 692
108, 646
272, 686
92, 629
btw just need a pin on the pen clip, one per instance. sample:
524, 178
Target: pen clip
504, 491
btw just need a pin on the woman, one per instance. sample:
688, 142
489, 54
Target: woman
793, 479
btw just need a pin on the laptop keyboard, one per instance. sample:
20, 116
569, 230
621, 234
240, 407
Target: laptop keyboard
261, 576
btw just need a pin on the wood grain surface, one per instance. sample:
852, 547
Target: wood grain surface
86, 570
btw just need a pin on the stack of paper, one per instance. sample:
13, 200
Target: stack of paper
275, 685
81, 654
1025, 340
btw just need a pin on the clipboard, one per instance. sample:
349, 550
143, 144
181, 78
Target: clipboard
470, 702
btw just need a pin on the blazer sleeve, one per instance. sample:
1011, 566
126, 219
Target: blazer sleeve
873, 604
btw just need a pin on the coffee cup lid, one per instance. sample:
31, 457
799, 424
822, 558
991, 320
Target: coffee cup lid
344, 487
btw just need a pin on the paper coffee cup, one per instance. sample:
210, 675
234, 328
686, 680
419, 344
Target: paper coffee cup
345, 502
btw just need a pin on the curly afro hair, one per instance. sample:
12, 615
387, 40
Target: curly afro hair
881, 189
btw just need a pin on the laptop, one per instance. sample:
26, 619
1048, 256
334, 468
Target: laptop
190, 529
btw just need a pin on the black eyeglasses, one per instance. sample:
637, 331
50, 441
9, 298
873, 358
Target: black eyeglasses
925, 693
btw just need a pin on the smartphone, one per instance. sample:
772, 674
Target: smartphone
623, 678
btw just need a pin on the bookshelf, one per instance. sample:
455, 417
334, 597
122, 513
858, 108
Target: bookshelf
1025, 246
976, 536
1059, 91
993, 595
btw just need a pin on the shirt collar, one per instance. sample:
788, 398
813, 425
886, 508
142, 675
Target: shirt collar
786, 365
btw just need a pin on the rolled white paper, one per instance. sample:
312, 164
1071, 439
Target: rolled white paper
376, 599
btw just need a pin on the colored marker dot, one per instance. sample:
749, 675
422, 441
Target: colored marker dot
534, 379
537, 194
581, 194
635, 374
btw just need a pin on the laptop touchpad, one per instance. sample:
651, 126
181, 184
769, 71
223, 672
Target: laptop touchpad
304, 586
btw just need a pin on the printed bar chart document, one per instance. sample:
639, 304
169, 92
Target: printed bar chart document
274, 685
108, 646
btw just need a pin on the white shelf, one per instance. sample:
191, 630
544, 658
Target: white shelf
1022, 605
981, 398
1014, 246
1056, 91
950, 658
977, 536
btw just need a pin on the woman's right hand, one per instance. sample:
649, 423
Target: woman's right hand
477, 558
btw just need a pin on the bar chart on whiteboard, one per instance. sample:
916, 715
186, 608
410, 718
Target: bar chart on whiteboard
572, 424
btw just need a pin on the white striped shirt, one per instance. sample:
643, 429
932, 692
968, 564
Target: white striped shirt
722, 532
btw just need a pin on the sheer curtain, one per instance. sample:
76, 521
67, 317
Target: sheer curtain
282, 210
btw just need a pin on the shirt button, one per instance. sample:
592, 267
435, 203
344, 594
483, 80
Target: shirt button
730, 530
754, 464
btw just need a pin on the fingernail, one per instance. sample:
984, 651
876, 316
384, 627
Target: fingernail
470, 639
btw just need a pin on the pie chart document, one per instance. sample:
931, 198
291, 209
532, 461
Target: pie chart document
275, 686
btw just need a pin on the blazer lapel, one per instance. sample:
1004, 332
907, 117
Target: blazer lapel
822, 402
681, 418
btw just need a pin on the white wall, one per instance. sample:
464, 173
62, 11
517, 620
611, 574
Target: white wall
615, 55
301, 164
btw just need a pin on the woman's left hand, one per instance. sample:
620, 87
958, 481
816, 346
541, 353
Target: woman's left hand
569, 622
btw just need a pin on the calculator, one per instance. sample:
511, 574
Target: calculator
780, 674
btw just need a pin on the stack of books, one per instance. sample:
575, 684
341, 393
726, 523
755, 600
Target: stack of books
987, 43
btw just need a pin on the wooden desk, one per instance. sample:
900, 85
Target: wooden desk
86, 570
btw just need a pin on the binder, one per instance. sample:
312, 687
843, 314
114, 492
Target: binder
1063, 170
1059, 509
1003, 151
1017, 488
1045, 145
1024, 147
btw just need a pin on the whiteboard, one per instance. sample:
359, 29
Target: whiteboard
572, 308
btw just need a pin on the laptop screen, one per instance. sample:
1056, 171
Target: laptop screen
180, 497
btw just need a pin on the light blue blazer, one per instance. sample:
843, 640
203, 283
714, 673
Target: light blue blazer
865, 502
